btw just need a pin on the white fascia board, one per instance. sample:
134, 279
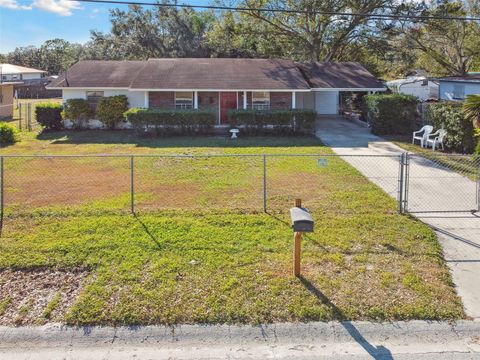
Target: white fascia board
349, 89
224, 90
85, 88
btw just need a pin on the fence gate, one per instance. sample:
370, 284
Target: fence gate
441, 183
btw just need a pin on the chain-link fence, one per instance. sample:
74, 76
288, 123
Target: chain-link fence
442, 183
23, 114
247, 183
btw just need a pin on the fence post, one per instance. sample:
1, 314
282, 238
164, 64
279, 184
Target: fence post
400, 184
132, 184
264, 183
2, 193
406, 182
478, 188
29, 126
20, 118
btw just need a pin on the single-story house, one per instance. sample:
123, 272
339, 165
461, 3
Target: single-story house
458, 87
9, 72
6, 99
218, 84
420, 86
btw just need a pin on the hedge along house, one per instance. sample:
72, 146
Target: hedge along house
217, 84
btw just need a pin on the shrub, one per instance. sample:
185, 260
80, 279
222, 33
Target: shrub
254, 122
471, 109
49, 115
169, 122
391, 114
110, 110
78, 111
8, 134
449, 116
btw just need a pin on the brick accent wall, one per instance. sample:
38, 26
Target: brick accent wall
280, 100
161, 99
208, 100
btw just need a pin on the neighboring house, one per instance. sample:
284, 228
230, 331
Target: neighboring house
217, 84
6, 100
458, 87
9, 72
419, 86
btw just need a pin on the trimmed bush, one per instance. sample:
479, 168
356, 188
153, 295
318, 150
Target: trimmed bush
392, 114
49, 115
110, 110
449, 115
78, 111
280, 122
170, 122
8, 134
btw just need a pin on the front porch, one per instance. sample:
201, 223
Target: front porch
221, 101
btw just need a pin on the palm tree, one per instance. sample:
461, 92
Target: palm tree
471, 109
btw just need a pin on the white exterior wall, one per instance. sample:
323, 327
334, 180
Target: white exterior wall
305, 100
326, 102
31, 76
73, 94
422, 92
135, 98
446, 89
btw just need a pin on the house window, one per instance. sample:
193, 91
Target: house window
459, 92
260, 100
183, 100
93, 97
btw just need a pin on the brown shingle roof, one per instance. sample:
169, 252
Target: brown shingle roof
339, 75
213, 73
96, 73
216, 74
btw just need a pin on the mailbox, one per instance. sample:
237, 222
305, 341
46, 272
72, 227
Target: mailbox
301, 220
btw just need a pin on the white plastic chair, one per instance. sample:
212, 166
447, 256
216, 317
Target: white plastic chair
436, 139
425, 132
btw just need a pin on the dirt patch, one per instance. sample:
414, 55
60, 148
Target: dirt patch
33, 297
47, 182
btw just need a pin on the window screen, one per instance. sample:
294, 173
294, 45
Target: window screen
184, 100
260, 100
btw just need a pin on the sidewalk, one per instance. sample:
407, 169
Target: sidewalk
458, 233
332, 340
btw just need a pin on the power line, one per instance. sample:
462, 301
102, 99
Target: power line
288, 11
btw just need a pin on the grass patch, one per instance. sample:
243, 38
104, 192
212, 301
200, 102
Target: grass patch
201, 250
465, 165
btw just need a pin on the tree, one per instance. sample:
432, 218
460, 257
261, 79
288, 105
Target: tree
313, 36
444, 47
141, 33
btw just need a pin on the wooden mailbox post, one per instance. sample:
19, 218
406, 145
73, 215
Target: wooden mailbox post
301, 222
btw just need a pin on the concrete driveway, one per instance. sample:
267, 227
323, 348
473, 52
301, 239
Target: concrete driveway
432, 187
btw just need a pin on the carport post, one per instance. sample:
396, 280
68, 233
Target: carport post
132, 187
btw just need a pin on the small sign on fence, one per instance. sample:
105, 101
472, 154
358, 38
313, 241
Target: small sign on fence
322, 162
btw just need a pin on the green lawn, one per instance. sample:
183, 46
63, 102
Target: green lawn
466, 165
201, 249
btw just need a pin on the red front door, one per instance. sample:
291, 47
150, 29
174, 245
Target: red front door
228, 100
